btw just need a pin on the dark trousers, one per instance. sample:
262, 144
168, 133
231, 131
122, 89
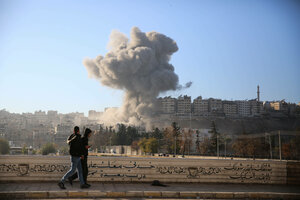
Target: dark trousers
84, 170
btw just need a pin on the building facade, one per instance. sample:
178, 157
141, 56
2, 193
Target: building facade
230, 109
215, 105
200, 106
184, 106
243, 108
167, 105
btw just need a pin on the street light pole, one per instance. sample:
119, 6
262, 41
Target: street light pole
218, 146
225, 148
270, 147
279, 144
175, 147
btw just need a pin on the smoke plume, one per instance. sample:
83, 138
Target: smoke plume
140, 67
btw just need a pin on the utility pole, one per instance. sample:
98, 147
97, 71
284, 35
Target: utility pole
190, 120
279, 144
270, 147
110, 144
175, 147
218, 146
225, 147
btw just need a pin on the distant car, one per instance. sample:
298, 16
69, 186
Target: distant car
162, 154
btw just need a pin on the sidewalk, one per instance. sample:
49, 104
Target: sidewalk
45, 190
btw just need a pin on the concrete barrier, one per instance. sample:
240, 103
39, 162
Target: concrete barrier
136, 169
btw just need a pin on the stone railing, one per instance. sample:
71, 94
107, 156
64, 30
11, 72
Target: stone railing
134, 169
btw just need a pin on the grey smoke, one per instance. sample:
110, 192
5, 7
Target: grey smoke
187, 85
140, 67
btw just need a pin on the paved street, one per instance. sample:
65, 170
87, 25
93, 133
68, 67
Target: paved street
122, 187
145, 190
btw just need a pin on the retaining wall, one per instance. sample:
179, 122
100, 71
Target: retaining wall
134, 169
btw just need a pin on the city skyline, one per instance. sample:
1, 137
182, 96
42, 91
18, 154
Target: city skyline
225, 49
158, 98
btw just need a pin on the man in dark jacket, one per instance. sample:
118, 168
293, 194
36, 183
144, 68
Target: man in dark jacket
86, 146
76, 152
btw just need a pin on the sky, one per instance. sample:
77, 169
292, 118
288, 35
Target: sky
226, 48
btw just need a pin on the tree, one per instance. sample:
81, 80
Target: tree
135, 145
120, 138
248, 146
197, 141
176, 133
156, 133
286, 151
295, 148
131, 134
142, 144
24, 150
168, 139
4, 146
101, 137
48, 148
151, 145
148, 145
214, 139
204, 146
239, 147
186, 142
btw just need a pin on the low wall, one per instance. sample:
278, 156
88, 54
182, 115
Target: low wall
133, 169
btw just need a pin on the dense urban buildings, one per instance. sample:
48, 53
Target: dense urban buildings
36, 129
182, 106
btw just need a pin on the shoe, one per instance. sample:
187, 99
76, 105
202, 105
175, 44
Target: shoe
88, 184
84, 186
61, 185
70, 181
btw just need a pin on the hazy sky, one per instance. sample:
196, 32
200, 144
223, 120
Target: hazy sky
226, 48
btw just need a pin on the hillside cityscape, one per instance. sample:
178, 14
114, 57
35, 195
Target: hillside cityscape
34, 130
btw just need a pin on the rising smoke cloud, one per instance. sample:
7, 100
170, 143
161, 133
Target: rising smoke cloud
140, 67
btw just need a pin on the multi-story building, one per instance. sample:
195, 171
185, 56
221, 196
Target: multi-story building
279, 106
62, 132
230, 108
53, 117
167, 105
40, 116
200, 106
94, 115
42, 134
214, 105
243, 108
256, 107
184, 106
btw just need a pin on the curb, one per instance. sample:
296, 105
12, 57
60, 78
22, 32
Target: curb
146, 194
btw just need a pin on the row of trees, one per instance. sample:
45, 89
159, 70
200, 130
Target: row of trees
174, 140
45, 150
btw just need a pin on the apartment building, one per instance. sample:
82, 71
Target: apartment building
184, 105
243, 108
94, 115
200, 106
215, 105
62, 132
230, 108
279, 106
167, 105
256, 107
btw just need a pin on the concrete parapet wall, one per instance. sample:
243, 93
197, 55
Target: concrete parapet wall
133, 169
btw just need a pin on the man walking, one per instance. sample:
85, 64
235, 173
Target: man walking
76, 152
